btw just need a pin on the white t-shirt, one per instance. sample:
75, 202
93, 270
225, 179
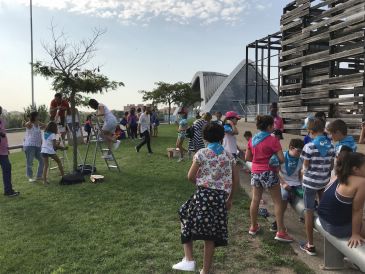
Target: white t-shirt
47, 143
292, 180
230, 143
108, 115
145, 122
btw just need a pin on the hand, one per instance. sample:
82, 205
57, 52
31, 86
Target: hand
355, 240
230, 122
286, 186
229, 204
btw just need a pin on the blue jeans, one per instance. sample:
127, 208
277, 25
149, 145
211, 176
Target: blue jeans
32, 152
6, 168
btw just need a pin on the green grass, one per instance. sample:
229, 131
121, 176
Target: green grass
128, 224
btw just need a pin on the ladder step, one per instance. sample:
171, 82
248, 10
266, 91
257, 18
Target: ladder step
105, 149
52, 168
112, 166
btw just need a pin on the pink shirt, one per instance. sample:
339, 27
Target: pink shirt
279, 123
4, 150
262, 154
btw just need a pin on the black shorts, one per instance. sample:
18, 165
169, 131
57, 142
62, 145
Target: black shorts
44, 155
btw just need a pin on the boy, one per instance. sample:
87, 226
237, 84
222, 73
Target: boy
318, 160
4, 161
338, 131
290, 175
247, 135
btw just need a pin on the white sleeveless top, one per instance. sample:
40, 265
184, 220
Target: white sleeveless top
33, 137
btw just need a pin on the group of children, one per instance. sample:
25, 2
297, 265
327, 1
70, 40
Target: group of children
306, 170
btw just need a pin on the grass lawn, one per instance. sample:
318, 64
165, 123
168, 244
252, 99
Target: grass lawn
128, 224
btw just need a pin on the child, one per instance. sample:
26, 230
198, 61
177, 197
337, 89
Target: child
218, 115
247, 135
290, 176
87, 128
216, 176
181, 134
49, 147
338, 131
341, 208
110, 124
318, 157
261, 149
230, 129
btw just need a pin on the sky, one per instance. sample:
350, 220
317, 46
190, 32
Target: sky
146, 41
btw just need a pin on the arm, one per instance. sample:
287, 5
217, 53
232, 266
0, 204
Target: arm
248, 156
280, 155
357, 212
28, 125
362, 134
57, 146
100, 111
193, 171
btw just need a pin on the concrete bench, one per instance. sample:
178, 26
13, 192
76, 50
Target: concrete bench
335, 249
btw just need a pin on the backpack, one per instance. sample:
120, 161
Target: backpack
190, 132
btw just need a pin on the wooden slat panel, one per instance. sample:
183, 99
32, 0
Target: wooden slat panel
294, 109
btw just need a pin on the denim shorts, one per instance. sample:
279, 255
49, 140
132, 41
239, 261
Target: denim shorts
309, 197
342, 231
110, 126
266, 179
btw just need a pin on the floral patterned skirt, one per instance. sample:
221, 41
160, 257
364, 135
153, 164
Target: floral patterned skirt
204, 217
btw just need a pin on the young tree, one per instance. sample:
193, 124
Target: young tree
42, 112
168, 94
69, 74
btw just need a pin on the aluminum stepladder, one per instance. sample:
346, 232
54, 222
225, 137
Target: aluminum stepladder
96, 137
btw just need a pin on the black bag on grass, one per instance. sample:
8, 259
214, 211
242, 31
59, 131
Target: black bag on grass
71, 179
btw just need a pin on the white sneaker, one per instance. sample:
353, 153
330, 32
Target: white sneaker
31, 180
180, 160
184, 265
116, 145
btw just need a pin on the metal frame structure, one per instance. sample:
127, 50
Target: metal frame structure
270, 46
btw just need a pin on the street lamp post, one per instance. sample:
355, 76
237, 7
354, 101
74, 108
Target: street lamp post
31, 50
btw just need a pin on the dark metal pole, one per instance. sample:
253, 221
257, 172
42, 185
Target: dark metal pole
31, 50
268, 68
246, 82
256, 68
279, 92
262, 75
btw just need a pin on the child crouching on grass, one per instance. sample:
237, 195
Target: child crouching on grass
49, 147
290, 174
204, 215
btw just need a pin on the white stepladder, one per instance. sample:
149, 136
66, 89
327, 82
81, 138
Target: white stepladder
96, 137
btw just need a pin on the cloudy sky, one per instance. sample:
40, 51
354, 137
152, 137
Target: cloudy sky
146, 40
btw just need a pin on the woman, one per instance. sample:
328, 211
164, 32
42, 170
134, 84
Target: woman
110, 124
181, 135
132, 120
341, 207
197, 141
32, 145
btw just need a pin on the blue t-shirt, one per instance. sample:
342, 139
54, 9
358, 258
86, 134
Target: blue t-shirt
183, 123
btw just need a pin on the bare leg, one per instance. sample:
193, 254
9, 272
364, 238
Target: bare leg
309, 225
188, 251
45, 169
179, 143
255, 202
278, 208
59, 164
208, 256
109, 139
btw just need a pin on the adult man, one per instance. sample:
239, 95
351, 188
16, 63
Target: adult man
58, 108
144, 126
4, 161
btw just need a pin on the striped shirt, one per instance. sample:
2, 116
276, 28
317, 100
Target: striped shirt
319, 170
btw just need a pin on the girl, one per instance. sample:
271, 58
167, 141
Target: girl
87, 128
49, 147
181, 135
110, 124
261, 150
32, 145
230, 129
341, 207
197, 141
204, 215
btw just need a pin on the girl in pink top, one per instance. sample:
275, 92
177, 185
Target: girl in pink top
266, 155
278, 121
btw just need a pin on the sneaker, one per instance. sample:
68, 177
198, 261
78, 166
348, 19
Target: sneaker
136, 148
283, 237
274, 227
180, 160
116, 145
107, 157
185, 265
311, 250
12, 194
31, 180
253, 230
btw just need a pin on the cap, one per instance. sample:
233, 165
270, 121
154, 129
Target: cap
232, 114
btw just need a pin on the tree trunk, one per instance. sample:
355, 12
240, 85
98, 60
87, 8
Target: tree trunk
74, 132
169, 113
